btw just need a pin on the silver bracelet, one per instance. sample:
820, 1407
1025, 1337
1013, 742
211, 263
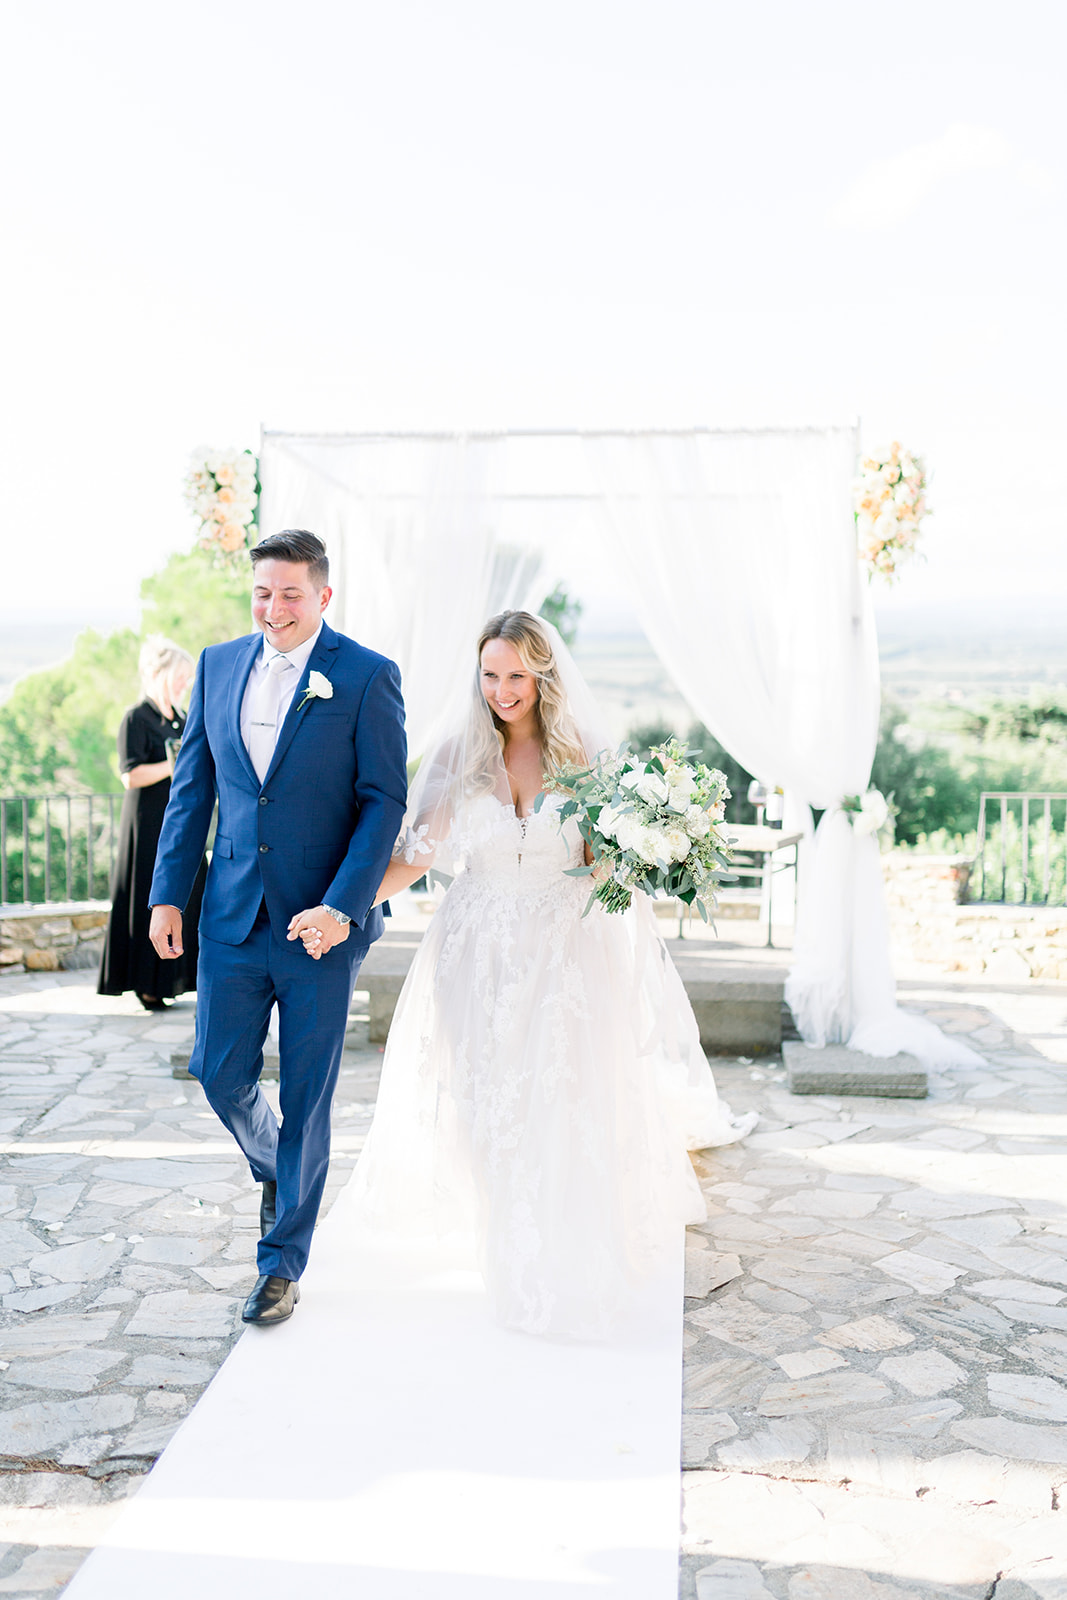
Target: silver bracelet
338, 916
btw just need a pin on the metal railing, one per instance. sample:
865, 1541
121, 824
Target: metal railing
1022, 849
57, 847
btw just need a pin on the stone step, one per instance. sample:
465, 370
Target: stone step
738, 1005
835, 1069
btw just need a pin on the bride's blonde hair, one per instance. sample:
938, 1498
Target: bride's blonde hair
560, 740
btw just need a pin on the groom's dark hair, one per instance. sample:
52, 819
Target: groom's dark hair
295, 544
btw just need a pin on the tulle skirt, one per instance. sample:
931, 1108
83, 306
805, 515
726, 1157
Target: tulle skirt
542, 1084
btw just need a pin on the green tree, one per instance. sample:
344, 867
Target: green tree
196, 603
930, 792
58, 727
564, 612
1041, 719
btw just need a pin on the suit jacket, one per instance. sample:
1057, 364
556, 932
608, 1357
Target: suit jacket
321, 827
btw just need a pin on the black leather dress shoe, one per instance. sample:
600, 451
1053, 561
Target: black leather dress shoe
272, 1300
268, 1207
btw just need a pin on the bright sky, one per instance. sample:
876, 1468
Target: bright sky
352, 214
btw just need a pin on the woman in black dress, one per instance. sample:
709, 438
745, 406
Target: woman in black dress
148, 741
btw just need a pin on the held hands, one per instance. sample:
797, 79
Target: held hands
165, 932
319, 931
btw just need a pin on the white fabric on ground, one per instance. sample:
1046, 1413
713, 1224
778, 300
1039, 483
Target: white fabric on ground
392, 1442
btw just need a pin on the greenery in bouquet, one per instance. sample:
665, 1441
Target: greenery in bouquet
222, 491
890, 503
650, 824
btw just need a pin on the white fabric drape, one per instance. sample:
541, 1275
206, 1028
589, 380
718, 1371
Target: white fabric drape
743, 553
416, 560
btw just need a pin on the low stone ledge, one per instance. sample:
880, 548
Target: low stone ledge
65, 937
835, 1069
932, 920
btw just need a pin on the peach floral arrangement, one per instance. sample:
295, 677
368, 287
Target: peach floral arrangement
222, 490
890, 504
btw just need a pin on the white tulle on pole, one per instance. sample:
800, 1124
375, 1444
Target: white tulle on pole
743, 552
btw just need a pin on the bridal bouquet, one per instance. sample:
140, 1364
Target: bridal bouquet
221, 489
651, 825
890, 505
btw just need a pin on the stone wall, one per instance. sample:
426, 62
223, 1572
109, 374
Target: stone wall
931, 921
59, 938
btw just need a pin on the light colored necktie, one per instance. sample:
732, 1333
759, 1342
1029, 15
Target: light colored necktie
263, 727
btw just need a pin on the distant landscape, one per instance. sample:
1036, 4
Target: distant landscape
29, 646
974, 653
965, 654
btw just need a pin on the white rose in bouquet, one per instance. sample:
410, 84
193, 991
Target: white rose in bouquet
648, 786
697, 822
628, 832
681, 794
652, 845
678, 843
652, 789
608, 822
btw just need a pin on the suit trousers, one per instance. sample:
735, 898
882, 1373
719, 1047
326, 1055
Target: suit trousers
236, 987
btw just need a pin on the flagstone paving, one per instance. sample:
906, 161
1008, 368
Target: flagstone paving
875, 1328
128, 1227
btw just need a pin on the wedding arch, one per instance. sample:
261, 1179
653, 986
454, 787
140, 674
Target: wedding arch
741, 547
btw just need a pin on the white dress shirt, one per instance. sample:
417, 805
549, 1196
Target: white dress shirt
258, 690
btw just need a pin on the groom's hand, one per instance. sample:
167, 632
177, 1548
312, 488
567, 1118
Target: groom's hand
165, 931
319, 931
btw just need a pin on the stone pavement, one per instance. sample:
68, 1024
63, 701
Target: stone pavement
128, 1228
876, 1334
876, 1328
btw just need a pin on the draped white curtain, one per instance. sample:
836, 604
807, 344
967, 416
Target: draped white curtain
417, 563
742, 550
741, 547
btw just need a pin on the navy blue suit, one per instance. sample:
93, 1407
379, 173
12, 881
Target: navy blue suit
318, 831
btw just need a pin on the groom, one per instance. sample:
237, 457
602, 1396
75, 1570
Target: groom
299, 732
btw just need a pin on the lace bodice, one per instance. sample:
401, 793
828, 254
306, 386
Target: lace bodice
522, 855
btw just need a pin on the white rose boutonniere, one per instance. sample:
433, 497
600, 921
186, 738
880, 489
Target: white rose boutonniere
319, 687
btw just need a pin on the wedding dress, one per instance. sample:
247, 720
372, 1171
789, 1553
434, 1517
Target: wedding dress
543, 1079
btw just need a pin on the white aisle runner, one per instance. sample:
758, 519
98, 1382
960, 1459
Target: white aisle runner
390, 1442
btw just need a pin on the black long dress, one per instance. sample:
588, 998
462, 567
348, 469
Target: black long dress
129, 961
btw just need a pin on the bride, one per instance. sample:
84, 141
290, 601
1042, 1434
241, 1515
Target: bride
543, 1078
